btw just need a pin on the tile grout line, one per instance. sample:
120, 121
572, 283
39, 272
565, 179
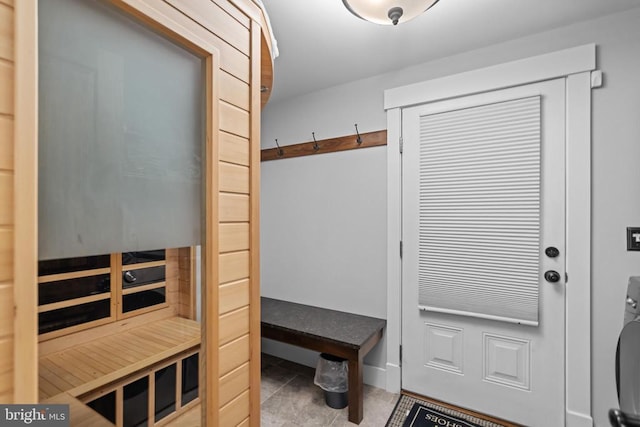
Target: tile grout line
279, 388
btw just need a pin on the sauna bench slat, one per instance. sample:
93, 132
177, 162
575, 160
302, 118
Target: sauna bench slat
83, 368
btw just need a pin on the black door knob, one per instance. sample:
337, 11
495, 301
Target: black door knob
552, 252
552, 276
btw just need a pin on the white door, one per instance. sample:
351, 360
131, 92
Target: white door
483, 209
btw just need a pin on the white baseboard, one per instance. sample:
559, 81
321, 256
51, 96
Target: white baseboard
374, 376
393, 378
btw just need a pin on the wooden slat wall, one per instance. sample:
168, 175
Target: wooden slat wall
230, 29
6, 202
233, 298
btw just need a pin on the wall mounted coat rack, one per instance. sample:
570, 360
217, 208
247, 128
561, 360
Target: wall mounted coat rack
322, 146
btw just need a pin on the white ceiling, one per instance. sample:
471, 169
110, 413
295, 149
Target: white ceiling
322, 44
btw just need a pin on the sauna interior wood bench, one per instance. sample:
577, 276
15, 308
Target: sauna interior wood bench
346, 335
68, 374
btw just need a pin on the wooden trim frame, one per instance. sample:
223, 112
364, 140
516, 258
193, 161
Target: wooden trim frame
73, 275
575, 65
209, 364
25, 258
331, 145
254, 230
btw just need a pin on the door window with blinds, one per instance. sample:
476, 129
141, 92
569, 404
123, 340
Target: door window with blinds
479, 211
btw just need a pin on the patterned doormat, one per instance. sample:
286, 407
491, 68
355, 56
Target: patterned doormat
412, 412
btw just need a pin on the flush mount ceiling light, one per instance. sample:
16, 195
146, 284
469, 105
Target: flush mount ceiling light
387, 12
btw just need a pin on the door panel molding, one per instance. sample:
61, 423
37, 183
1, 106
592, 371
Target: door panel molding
575, 65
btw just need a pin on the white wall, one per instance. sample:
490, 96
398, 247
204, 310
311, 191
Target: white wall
332, 112
324, 234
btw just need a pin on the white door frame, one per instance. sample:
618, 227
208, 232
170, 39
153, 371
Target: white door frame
578, 66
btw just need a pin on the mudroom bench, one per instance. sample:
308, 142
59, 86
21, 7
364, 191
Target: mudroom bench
346, 335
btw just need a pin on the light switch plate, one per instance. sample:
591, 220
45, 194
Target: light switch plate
633, 238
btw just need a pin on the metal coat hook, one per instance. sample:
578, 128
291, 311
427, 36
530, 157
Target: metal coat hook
316, 147
280, 150
358, 139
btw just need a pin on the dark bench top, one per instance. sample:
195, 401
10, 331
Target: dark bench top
347, 329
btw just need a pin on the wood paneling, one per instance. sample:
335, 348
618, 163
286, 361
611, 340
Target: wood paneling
6, 88
6, 387
234, 237
234, 11
6, 256
349, 142
6, 32
210, 16
25, 88
234, 325
6, 355
234, 383
233, 296
6, 143
266, 70
233, 178
254, 260
6, 195
172, 277
187, 283
208, 362
234, 208
6, 310
234, 354
234, 120
234, 91
234, 62
234, 149
235, 411
234, 266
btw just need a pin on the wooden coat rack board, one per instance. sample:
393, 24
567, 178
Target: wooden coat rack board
342, 143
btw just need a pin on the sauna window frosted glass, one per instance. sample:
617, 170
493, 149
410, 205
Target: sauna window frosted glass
121, 130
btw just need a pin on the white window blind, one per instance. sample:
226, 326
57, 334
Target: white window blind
480, 211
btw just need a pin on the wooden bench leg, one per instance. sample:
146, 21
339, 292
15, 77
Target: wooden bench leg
355, 393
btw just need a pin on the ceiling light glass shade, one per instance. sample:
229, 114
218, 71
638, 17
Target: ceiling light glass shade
388, 12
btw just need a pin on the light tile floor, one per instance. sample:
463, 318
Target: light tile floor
289, 399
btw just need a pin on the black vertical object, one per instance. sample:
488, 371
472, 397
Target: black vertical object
165, 398
105, 406
189, 378
136, 403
